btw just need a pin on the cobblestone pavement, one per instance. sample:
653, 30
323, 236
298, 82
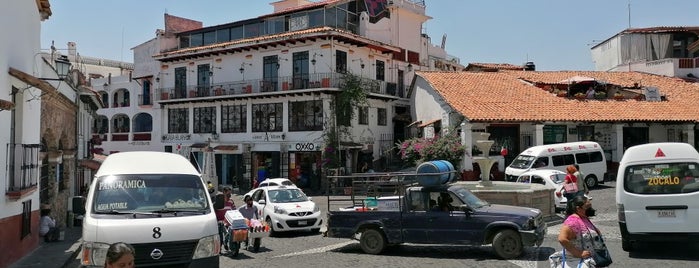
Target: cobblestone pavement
314, 250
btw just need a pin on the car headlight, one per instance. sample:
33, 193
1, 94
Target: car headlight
316, 208
94, 253
531, 224
207, 247
279, 210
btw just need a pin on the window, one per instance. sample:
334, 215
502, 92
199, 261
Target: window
23, 166
254, 29
316, 18
381, 116
380, 70
209, 38
305, 115
223, 35
178, 120
562, 160
275, 25
237, 33
196, 40
363, 115
234, 118
340, 61
184, 41
204, 119
662, 178
26, 218
180, 82
143, 122
270, 73
583, 158
267, 117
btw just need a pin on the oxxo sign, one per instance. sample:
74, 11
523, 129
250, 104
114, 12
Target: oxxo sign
308, 146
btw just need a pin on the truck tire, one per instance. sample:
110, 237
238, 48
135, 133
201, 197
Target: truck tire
372, 241
507, 244
591, 181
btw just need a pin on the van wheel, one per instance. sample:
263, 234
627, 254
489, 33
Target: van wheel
591, 181
507, 244
372, 241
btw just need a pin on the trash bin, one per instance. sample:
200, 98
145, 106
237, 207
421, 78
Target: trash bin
70, 219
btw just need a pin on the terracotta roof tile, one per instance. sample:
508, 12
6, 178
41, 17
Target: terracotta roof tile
512, 96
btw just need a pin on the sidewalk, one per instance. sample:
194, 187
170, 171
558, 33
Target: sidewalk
54, 254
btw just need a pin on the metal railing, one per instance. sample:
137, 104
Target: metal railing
275, 84
146, 99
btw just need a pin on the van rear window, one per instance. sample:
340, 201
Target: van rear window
666, 178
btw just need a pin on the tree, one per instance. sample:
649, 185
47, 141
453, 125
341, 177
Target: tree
446, 147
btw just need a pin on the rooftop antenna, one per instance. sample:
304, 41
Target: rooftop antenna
629, 48
629, 14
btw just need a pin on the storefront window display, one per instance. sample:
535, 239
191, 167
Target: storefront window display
304, 169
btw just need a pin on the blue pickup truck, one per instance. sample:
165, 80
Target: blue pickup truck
441, 214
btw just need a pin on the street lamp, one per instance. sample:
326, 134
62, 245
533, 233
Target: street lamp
62, 69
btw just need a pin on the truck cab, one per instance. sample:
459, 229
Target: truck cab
441, 214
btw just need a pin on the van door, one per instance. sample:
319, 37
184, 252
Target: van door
661, 197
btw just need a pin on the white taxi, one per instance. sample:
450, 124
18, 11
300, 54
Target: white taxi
287, 209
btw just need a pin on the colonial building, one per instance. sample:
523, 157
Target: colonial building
253, 99
669, 51
20, 114
525, 108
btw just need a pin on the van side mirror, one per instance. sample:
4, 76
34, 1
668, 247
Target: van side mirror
261, 202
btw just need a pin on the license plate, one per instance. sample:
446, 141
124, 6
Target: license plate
305, 222
666, 214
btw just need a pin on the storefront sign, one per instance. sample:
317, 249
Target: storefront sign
177, 137
304, 147
267, 137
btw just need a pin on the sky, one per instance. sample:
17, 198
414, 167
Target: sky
554, 34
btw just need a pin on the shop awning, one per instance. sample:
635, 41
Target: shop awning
429, 122
90, 163
414, 123
198, 145
226, 148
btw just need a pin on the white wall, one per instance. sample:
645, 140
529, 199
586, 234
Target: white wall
606, 56
20, 22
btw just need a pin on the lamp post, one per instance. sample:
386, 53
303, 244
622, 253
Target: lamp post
62, 66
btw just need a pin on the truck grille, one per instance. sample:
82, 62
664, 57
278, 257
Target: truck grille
300, 214
173, 253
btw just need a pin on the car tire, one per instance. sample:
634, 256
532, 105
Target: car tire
372, 241
507, 244
268, 220
591, 181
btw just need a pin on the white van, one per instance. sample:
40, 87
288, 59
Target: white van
158, 203
656, 194
586, 154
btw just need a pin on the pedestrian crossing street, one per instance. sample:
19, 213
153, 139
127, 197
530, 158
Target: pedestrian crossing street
607, 224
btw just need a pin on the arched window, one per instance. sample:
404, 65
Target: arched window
143, 122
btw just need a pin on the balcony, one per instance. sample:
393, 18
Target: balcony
145, 100
277, 84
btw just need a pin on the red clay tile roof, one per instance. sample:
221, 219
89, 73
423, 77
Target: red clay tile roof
496, 66
511, 96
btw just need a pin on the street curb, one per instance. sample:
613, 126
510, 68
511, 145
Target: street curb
73, 256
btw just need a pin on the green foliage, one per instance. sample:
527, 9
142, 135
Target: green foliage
342, 110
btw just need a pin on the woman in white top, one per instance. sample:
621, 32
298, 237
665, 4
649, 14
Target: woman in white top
47, 226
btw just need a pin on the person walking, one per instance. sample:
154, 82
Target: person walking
223, 203
570, 183
582, 185
578, 236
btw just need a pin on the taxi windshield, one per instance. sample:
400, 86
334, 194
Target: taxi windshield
287, 196
149, 193
665, 178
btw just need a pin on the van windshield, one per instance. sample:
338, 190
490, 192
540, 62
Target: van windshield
666, 178
149, 193
522, 161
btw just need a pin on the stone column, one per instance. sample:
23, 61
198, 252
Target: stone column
538, 134
618, 151
689, 129
467, 141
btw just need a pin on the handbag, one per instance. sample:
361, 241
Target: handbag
571, 187
563, 262
601, 256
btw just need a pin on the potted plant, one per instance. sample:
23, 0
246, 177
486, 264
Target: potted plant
600, 95
580, 96
618, 96
561, 93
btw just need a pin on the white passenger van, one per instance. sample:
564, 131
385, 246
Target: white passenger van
587, 154
158, 203
656, 194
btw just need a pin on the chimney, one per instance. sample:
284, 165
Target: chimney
72, 49
529, 66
